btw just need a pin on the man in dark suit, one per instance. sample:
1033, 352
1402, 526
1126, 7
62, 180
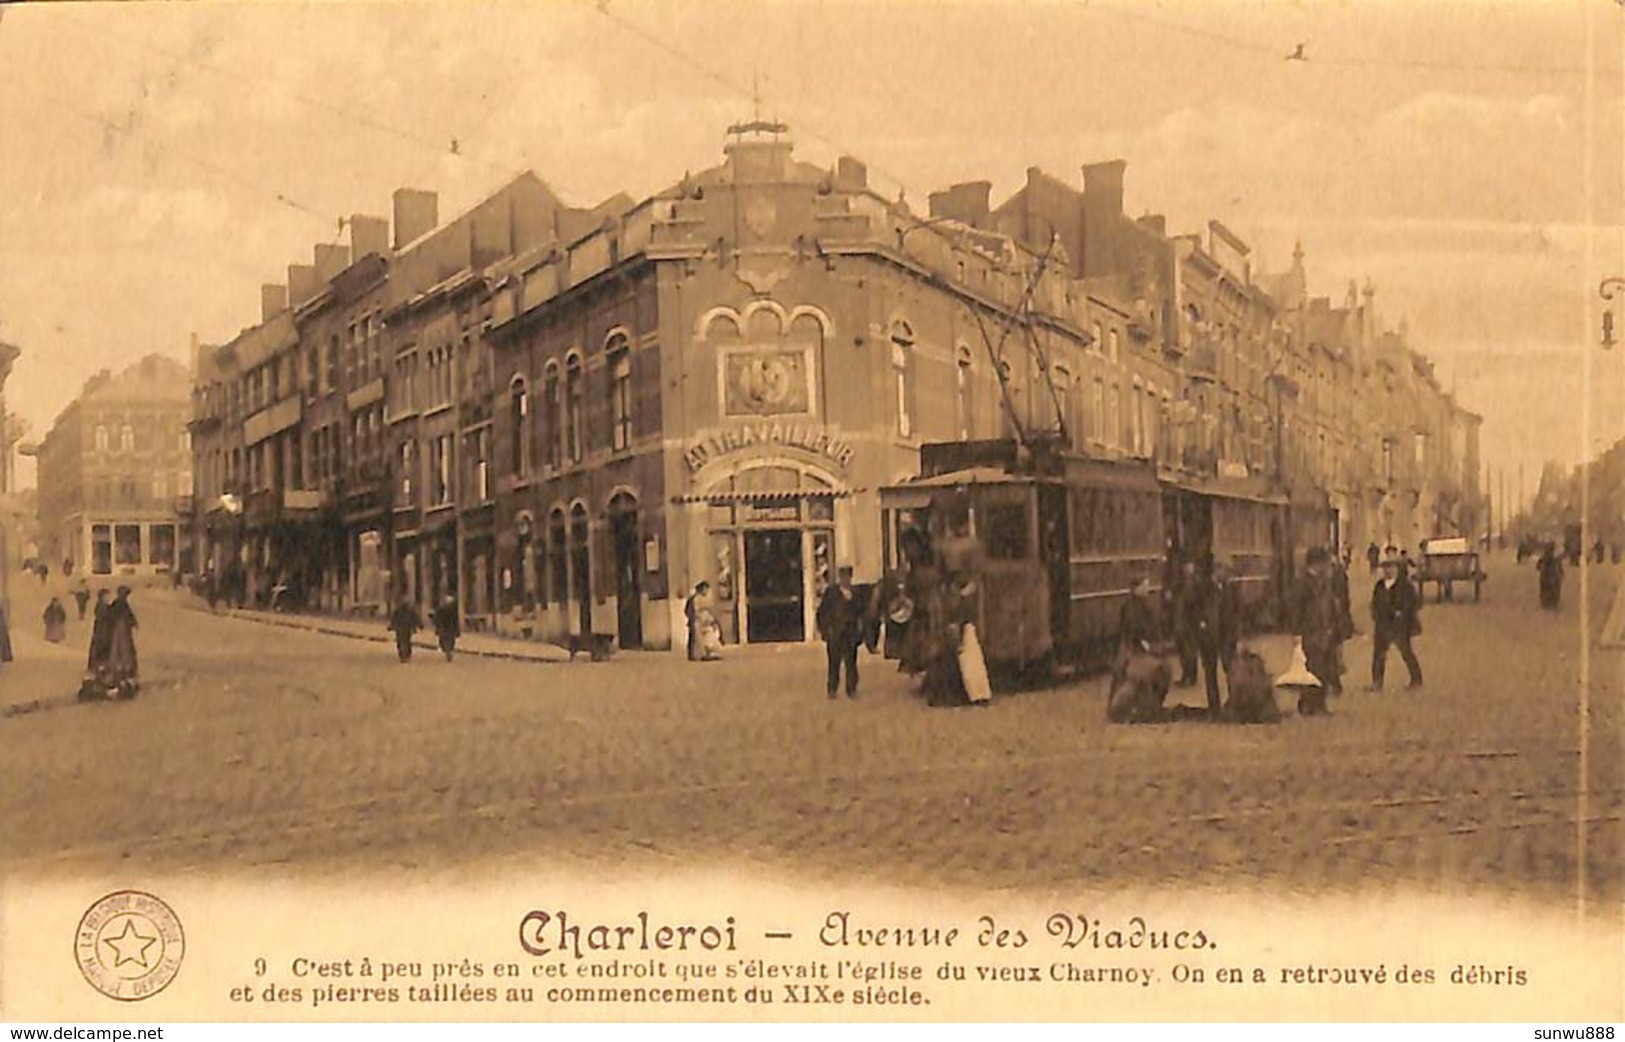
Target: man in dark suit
1214, 613
840, 623
1394, 604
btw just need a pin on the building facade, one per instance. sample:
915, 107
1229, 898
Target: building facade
115, 474
566, 418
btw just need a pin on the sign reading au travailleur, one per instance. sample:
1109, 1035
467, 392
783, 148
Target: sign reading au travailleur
809, 436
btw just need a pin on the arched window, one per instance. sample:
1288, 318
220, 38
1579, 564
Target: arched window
555, 417
619, 358
126, 438
964, 392
518, 428
101, 439
902, 364
574, 392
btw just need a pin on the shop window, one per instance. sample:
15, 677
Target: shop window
101, 549
162, 550
126, 544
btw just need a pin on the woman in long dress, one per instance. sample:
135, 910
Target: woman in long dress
121, 658
101, 638
56, 622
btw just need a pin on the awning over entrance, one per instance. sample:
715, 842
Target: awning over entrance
730, 496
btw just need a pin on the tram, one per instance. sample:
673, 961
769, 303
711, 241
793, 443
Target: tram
1063, 538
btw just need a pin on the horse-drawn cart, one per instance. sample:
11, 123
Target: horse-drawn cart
1446, 562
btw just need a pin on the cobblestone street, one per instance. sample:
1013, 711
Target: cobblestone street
254, 745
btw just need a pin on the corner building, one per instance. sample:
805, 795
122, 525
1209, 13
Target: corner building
715, 384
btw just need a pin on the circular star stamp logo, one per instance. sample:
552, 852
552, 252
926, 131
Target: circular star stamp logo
129, 945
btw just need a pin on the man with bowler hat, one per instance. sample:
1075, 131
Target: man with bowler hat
840, 623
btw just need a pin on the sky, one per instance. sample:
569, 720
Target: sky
158, 162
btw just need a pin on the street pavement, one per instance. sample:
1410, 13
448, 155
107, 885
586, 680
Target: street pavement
256, 745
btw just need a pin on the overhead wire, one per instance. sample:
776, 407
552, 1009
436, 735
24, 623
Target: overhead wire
1313, 58
360, 119
132, 129
812, 130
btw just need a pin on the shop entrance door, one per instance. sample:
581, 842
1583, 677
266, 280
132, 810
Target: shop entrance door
774, 586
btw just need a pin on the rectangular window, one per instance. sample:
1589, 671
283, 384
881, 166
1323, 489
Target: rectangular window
477, 447
440, 463
407, 455
101, 549
162, 550
1007, 535
1097, 419
1114, 428
126, 544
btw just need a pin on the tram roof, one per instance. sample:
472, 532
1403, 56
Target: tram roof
1228, 488
973, 476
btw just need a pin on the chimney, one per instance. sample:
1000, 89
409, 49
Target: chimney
416, 214
273, 299
368, 235
329, 260
967, 202
1103, 187
301, 284
851, 173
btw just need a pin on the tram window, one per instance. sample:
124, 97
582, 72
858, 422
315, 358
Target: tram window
1007, 531
1083, 520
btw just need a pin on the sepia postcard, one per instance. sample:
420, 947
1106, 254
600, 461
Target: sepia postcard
812, 511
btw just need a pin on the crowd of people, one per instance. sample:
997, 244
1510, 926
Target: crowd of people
111, 664
1205, 619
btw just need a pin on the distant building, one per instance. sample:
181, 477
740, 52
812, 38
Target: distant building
115, 473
